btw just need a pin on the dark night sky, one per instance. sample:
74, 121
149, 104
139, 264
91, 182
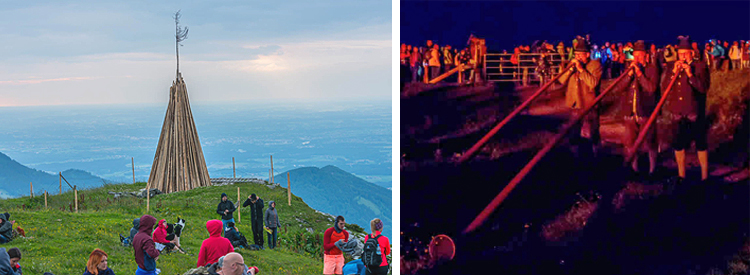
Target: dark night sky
506, 24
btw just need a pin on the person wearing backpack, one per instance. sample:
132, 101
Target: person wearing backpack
377, 247
333, 257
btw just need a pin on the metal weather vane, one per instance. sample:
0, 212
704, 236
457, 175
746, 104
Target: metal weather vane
180, 35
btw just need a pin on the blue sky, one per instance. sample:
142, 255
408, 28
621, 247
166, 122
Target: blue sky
110, 52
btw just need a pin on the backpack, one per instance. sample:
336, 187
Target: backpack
371, 255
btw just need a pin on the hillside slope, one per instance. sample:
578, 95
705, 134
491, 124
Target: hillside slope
15, 179
337, 192
60, 241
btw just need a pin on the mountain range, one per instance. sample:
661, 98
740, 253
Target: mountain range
337, 192
15, 179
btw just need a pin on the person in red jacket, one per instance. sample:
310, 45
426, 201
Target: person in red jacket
376, 225
143, 246
162, 237
333, 258
215, 246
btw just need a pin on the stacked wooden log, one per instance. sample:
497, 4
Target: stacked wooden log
178, 164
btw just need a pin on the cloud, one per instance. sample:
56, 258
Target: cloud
37, 81
123, 52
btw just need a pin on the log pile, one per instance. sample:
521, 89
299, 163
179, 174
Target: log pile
178, 163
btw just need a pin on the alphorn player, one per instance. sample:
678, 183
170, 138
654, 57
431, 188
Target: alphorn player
639, 90
582, 81
685, 106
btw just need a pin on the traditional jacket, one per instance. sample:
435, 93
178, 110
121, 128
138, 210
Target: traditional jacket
688, 95
582, 86
639, 92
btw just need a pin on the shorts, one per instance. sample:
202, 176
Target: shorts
333, 264
689, 130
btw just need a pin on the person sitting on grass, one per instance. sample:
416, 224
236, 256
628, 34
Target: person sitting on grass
5, 267
15, 256
128, 241
215, 246
234, 264
355, 266
162, 237
6, 228
97, 264
234, 236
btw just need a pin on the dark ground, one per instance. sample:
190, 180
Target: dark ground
690, 229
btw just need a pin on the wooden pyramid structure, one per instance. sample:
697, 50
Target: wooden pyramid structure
178, 164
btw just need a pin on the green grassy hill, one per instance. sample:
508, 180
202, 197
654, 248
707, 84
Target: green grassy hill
59, 241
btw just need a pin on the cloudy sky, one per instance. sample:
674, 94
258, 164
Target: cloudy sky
111, 52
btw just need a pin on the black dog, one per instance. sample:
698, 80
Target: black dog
175, 231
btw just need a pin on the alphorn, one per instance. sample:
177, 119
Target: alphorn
466, 156
479, 220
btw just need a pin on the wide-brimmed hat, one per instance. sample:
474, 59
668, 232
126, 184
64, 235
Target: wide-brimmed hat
582, 46
639, 46
684, 43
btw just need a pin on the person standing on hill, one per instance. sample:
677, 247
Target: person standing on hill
143, 247
256, 217
582, 83
333, 257
686, 106
272, 221
384, 249
226, 209
639, 88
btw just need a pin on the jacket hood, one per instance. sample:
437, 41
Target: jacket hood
136, 222
161, 223
5, 262
269, 205
147, 224
214, 228
224, 195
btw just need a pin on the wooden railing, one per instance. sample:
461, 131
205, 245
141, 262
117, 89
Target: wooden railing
499, 68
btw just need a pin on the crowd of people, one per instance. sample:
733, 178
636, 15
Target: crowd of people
614, 57
430, 61
217, 255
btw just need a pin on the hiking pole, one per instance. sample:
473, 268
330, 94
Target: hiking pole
479, 220
632, 151
466, 156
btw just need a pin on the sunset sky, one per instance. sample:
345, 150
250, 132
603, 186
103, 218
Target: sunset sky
112, 52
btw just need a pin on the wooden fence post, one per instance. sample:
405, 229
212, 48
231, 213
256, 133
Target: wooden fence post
148, 196
31, 184
60, 174
45, 199
460, 73
289, 188
234, 173
132, 162
272, 179
239, 210
75, 193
